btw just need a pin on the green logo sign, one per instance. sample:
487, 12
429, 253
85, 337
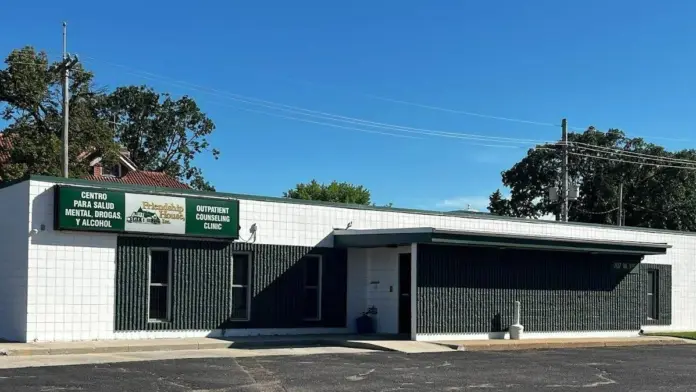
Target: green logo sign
93, 209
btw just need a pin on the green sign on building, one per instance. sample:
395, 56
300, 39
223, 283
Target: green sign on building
94, 209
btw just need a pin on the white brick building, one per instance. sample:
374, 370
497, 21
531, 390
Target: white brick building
430, 275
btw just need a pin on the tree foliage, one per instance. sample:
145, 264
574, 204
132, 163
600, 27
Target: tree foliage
653, 196
334, 192
31, 102
161, 133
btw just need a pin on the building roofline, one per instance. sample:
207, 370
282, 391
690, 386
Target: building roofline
225, 195
354, 238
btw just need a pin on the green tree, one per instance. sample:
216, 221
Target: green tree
334, 192
162, 134
31, 103
653, 196
498, 204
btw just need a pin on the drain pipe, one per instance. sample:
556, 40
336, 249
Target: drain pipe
516, 329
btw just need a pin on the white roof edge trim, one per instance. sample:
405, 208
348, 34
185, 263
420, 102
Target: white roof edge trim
126, 162
426, 230
408, 230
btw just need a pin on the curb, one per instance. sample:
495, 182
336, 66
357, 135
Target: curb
124, 348
559, 345
319, 342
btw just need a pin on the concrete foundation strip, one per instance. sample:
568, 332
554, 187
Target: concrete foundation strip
377, 345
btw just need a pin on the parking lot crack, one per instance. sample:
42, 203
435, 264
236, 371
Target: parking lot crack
260, 378
605, 380
602, 375
360, 376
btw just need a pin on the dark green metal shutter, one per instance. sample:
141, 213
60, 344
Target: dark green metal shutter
278, 283
664, 306
131, 285
201, 285
465, 289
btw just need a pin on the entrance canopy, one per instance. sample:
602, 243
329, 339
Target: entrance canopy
429, 235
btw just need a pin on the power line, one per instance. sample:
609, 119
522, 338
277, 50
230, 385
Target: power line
352, 120
433, 107
547, 148
343, 127
387, 99
352, 128
452, 135
456, 111
321, 123
596, 213
335, 117
305, 120
425, 106
632, 154
634, 162
322, 115
398, 128
356, 121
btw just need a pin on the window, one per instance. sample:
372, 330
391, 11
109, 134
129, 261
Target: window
653, 295
312, 288
115, 171
160, 276
241, 276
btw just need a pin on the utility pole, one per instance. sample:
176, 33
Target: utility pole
621, 204
65, 67
66, 101
564, 170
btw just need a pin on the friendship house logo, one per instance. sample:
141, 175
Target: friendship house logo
157, 214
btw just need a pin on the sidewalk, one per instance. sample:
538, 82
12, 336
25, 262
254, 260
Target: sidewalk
373, 342
557, 343
376, 342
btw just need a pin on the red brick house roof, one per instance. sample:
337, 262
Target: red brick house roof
133, 177
140, 177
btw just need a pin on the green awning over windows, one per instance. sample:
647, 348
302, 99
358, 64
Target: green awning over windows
429, 235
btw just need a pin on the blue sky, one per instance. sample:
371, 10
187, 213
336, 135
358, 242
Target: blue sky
619, 63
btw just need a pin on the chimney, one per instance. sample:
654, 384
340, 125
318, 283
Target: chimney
124, 151
97, 170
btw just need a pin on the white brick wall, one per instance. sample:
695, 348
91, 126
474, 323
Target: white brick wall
293, 224
366, 267
14, 235
71, 275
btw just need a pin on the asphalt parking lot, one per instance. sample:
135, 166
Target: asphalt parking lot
635, 369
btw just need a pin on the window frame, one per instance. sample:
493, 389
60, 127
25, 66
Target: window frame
169, 283
653, 294
318, 288
248, 286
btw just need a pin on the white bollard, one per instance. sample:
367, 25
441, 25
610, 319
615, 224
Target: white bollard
516, 329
